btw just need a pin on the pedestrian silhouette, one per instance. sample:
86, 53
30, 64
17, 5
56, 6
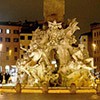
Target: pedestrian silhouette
1, 77
7, 76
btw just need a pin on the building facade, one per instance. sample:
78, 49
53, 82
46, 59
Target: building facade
9, 46
95, 29
25, 39
91, 40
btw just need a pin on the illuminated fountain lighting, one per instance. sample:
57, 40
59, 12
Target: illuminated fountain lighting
94, 46
53, 60
1, 47
36, 80
54, 63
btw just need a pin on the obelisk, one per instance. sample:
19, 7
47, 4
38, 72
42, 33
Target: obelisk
54, 10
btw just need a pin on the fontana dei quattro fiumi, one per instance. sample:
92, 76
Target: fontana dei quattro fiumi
54, 60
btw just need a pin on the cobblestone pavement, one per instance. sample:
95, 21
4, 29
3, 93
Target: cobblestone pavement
26, 96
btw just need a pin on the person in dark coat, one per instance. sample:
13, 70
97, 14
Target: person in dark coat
7, 76
1, 78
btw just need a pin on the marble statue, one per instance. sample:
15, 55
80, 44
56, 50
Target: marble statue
53, 60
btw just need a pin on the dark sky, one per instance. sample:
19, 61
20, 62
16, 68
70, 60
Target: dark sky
86, 11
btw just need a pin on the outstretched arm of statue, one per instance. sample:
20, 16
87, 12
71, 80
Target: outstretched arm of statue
22, 48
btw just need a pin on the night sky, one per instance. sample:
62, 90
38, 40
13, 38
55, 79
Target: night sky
86, 11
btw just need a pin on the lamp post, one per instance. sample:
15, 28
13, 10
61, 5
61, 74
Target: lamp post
94, 46
0, 47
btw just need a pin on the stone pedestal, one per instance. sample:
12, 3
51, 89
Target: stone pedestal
98, 88
73, 88
18, 88
45, 89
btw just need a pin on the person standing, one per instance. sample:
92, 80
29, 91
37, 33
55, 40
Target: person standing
7, 76
1, 77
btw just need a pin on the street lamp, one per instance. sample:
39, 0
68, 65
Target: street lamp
0, 47
94, 46
10, 51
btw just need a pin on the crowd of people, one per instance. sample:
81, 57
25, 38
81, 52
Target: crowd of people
4, 78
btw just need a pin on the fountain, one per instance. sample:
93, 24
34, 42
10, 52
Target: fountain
54, 60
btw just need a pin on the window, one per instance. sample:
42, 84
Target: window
7, 31
94, 42
15, 49
7, 49
21, 56
22, 37
10, 52
97, 42
16, 39
28, 47
94, 59
7, 39
94, 34
0, 39
7, 57
29, 37
0, 30
97, 33
15, 57
16, 31
94, 52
